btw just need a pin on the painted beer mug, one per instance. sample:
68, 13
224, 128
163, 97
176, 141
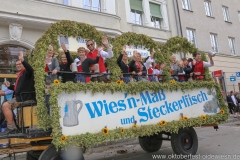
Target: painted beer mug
71, 112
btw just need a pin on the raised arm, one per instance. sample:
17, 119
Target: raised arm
68, 56
119, 60
109, 53
27, 66
93, 61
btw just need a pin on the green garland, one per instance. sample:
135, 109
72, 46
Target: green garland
163, 53
67, 28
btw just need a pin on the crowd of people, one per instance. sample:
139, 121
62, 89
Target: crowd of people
233, 101
91, 65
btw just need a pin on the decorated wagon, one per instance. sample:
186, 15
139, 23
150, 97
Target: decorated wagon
87, 114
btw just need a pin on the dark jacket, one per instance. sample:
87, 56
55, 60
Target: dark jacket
229, 100
187, 71
133, 67
25, 84
122, 65
86, 64
66, 68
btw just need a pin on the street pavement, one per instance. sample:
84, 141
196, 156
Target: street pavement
212, 144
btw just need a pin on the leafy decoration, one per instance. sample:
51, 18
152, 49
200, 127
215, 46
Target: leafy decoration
67, 28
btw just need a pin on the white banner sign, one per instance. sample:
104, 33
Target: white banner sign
143, 51
83, 112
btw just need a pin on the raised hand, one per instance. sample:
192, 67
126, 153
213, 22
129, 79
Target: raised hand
6, 83
153, 51
64, 47
105, 41
124, 48
210, 57
134, 53
100, 48
20, 56
194, 62
98, 54
163, 65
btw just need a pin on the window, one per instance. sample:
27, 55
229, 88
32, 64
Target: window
239, 15
8, 56
65, 2
191, 36
136, 11
226, 14
214, 42
94, 5
156, 15
208, 8
186, 4
232, 46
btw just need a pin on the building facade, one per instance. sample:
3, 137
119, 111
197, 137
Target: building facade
23, 22
213, 25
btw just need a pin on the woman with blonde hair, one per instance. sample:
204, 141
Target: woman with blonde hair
51, 64
83, 65
176, 68
137, 67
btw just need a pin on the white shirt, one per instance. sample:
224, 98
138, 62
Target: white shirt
205, 64
108, 54
105, 55
234, 100
148, 63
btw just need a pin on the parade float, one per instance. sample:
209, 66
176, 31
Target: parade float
85, 115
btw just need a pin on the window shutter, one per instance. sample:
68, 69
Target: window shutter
155, 10
136, 5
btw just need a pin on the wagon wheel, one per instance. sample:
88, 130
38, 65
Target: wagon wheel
51, 154
185, 142
151, 143
33, 155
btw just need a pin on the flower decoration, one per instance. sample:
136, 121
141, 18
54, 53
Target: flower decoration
63, 138
222, 111
181, 118
185, 118
56, 81
120, 82
172, 81
162, 123
135, 126
105, 130
204, 117
122, 131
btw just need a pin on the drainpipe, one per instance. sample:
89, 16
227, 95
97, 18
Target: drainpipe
178, 21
